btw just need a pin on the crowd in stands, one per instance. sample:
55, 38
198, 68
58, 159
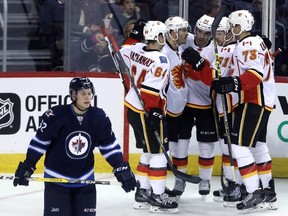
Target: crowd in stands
119, 18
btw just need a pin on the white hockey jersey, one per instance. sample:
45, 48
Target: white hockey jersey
178, 91
199, 93
225, 57
251, 56
149, 69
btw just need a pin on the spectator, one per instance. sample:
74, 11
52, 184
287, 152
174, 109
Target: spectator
51, 29
127, 10
211, 7
94, 55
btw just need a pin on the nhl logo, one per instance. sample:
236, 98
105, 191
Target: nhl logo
6, 113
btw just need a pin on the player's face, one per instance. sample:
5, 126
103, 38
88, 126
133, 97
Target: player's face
83, 98
220, 36
182, 36
202, 37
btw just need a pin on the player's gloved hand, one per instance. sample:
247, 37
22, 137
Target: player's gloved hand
137, 32
25, 170
154, 117
124, 175
224, 85
193, 58
267, 42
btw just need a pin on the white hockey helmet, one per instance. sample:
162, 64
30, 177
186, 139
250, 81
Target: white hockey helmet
152, 29
224, 25
243, 18
176, 22
204, 23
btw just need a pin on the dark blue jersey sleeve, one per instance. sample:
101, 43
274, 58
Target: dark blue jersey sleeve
107, 143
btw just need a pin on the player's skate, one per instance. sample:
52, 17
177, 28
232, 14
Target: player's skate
162, 204
179, 188
237, 194
219, 194
253, 202
142, 198
204, 188
270, 195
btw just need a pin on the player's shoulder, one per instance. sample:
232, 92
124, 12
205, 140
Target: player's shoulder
252, 41
56, 112
97, 113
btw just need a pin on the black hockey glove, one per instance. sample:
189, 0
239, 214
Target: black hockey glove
137, 32
154, 117
267, 42
193, 58
124, 175
224, 85
25, 170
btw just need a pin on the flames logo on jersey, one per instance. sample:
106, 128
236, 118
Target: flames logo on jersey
78, 145
177, 76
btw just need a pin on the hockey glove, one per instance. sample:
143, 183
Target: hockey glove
267, 42
137, 32
25, 170
224, 85
124, 175
193, 58
154, 117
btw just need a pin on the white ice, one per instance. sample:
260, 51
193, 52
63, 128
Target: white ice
112, 200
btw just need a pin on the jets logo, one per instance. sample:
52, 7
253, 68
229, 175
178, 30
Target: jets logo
78, 145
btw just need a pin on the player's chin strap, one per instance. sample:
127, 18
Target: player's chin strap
123, 69
82, 110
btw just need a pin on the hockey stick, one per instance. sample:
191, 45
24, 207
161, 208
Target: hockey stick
115, 54
214, 27
58, 180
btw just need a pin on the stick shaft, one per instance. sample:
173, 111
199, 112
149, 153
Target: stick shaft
58, 180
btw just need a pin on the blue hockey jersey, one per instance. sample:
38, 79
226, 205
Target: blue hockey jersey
68, 143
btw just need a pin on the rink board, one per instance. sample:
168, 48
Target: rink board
25, 97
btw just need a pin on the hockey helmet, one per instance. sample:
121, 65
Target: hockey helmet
175, 23
243, 18
79, 83
204, 23
224, 25
152, 29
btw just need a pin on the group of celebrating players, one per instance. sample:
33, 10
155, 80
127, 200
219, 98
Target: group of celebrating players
223, 85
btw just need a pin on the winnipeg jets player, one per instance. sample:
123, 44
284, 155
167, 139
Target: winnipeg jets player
67, 136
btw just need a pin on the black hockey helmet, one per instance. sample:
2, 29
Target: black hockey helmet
79, 83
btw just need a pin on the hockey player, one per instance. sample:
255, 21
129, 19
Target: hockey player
67, 136
225, 47
176, 95
252, 77
150, 68
198, 110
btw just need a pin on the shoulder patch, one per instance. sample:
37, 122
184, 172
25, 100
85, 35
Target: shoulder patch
163, 59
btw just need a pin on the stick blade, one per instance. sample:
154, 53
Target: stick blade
186, 177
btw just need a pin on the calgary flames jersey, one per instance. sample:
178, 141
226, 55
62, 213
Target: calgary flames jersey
150, 72
199, 93
178, 91
253, 63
